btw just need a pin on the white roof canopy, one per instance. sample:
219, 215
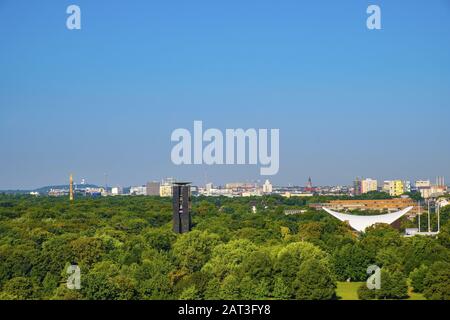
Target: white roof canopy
361, 223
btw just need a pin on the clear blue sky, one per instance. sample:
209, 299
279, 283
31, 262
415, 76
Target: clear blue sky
348, 101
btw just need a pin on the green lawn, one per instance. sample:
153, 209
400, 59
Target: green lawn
415, 296
349, 291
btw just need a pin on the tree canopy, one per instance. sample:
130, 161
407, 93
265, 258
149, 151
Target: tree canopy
126, 250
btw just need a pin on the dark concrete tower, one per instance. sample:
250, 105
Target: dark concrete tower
181, 207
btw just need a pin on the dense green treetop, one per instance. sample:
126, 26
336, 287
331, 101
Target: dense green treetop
126, 249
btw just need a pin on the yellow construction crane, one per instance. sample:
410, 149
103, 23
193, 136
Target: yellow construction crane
71, 188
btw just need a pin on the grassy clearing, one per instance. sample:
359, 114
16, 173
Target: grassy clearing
349, 291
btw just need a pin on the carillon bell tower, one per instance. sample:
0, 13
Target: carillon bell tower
181, 207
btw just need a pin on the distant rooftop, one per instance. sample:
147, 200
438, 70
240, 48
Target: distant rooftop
181, 183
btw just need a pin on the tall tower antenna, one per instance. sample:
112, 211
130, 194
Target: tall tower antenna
106, 183
71, 187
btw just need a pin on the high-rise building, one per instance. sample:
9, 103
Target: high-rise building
153, 188
368, 185
165, 189
181, 201
398, 188
267, 187
395, 188
357, 187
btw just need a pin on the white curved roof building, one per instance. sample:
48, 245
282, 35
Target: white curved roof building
361, 223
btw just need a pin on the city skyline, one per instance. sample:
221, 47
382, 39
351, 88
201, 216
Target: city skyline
348, 101
308, 183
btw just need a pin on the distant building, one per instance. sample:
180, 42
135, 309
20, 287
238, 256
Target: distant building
138, 191
423, 184
427, 190
309, 186
165, 189
116, 191
209, 188
398, 188
395, 188
152, 188
369, 185
267, 187
407, 186
357, 187
432, 192
194, 191
58, 192
253, 193
386, 186
239, 186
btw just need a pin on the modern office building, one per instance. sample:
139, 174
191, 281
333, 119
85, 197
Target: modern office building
181, 200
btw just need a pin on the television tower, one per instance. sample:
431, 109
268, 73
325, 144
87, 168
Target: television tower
71, 187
